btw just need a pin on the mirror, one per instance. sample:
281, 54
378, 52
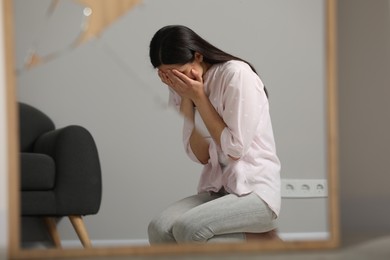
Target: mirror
101, 78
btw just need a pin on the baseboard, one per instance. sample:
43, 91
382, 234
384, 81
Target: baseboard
107, 242
302, 236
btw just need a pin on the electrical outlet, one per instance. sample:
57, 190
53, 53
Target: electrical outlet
304, 188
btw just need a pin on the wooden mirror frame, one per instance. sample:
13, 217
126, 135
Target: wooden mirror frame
14, 246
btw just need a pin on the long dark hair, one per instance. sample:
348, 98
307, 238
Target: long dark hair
177, 44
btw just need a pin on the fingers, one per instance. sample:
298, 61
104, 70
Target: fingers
197, 76
178, 80
182, 77
164, 78
170, 79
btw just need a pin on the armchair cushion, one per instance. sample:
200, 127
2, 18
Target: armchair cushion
37, 172
78, 184
33, 123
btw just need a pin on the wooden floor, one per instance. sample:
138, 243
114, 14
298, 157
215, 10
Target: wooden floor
374, 249
356, 247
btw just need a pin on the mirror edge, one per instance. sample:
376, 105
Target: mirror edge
332, 120
11, 130
14, 247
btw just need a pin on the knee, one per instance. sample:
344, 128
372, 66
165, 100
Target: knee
157, 234
153, 232
190, 232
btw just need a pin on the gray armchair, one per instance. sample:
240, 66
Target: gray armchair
60, 172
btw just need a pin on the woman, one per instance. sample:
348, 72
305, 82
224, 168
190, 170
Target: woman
227, 128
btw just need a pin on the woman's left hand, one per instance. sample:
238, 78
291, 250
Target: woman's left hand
185, 86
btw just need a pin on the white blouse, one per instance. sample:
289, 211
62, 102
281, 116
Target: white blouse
238, 95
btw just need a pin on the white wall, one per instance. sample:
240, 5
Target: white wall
108, 86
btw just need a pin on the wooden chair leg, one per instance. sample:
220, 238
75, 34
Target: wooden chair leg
52, 227
78, 225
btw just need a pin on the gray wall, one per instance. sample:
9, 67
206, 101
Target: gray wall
108, 86
3, 148
364, 91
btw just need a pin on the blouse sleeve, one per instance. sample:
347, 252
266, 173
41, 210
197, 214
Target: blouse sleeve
244, 99
188, 126
174, 100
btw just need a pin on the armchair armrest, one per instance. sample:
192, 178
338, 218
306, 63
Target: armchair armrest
78, 183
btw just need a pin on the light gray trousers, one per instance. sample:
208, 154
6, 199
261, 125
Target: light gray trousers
211, 217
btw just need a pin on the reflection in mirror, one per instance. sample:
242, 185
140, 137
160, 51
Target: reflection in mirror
87, 63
